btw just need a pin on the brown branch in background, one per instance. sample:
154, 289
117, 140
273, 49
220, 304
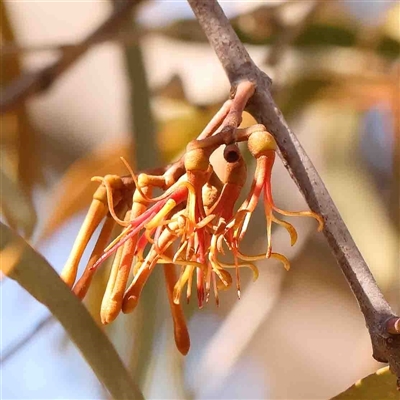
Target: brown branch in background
11, 49
239, 67
32, 83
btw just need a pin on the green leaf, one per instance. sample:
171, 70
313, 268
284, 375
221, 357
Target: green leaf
378, 386
23, 264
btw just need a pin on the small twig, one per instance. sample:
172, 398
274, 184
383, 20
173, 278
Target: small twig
238, 67
10, 49
35, 82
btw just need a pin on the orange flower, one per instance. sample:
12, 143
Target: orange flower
190, 225
263, 147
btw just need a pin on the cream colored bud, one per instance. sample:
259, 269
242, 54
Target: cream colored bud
261, 141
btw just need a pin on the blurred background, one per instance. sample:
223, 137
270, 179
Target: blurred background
145, 90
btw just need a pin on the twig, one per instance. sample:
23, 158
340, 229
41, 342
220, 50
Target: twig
10, 49
35, 82
239, 66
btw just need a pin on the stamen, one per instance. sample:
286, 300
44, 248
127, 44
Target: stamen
180, 250
237, 275
214, 279
187, 274
118, 238
113, 249
189, 288
167, 208
205, 221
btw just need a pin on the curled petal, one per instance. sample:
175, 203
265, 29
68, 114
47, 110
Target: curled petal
283, 259
302, 214
253, 268
289, 227
226, 283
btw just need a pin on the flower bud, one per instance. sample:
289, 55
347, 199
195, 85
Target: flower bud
261, 143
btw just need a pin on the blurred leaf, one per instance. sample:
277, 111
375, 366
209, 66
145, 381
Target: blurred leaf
143, 124
263, 27
300, 94
21, 137
74, 191
173, 89
381, 385
36, 276
389, 47
327, 35
185, 123
187, 30
16, 205
176, 132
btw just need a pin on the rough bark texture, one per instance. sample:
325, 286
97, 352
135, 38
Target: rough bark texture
239, 66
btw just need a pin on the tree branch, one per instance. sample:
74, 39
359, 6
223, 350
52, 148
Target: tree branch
32, 83
239, 66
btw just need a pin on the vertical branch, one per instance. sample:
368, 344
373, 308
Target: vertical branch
239, 66
143, 125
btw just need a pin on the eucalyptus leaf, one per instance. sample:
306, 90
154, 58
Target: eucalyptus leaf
380, 385
36, 276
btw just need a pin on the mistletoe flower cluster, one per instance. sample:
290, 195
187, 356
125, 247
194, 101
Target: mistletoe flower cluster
188, 228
